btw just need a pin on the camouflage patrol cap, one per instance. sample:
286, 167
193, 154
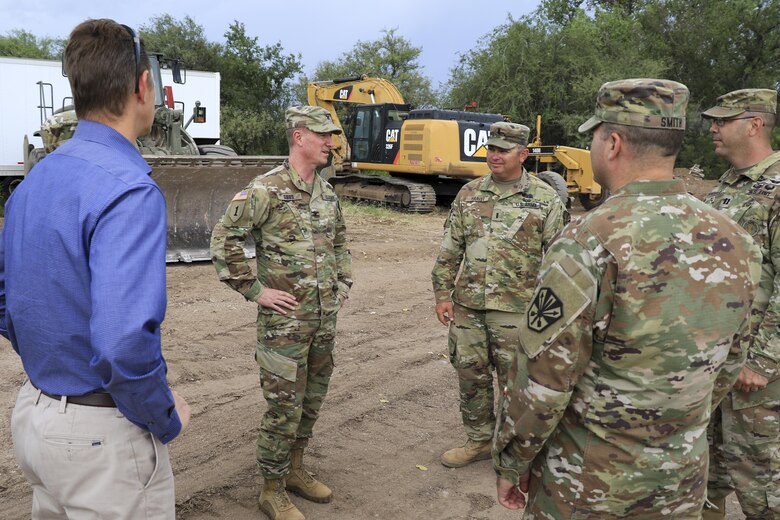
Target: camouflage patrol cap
647, 103
316, 119
508, 135
58, 128
744, 100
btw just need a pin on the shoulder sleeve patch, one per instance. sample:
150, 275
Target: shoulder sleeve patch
557, 303
236, 209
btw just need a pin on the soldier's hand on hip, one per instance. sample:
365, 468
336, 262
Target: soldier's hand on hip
277, 300
750, 381
444, 312
182, 408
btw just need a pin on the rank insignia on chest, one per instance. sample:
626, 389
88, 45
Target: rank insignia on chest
545, 310
724, 203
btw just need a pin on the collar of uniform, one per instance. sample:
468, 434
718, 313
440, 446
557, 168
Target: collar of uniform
648, 187
754, 172
520, 185
296, 178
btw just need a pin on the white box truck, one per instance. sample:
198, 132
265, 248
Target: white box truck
30, 89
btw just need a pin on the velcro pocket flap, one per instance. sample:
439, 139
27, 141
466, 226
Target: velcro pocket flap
277, 364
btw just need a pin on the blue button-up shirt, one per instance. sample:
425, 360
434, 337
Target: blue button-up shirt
82, 277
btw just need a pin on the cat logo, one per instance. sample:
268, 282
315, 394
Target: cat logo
343, 94
474, 142
392, 135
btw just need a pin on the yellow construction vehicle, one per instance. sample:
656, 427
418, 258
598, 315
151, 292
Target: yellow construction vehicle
575, 162
428, 152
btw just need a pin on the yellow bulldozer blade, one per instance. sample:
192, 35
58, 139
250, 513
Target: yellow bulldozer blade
197, 192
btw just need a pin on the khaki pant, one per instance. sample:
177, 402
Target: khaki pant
86, 462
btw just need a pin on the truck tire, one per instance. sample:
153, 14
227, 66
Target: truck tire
557, 183
590, 202
217, 149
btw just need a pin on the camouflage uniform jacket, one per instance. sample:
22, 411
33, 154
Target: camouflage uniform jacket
300, 240
752, 199
637, 329
499, 236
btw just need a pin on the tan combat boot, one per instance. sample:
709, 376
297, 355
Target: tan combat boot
300, 481
710, 513
276, 504
470, 452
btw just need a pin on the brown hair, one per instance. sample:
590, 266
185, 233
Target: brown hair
100, 61
648, 141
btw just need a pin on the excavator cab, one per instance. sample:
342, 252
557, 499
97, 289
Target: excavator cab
375, 132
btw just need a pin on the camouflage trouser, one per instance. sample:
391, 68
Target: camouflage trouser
745, 457
479, 341
296, 362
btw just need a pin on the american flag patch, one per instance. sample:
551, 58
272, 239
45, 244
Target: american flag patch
241, 195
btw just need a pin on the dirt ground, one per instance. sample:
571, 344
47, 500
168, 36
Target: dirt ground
391, 411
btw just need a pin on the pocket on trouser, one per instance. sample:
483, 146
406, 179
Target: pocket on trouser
145, 453
74, 447
452, 345
467, 340
278, 375
762, 423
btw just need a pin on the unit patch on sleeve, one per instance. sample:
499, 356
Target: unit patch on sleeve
557, 303
545, 310
236, 209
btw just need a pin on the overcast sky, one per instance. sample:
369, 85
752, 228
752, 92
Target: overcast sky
444, 29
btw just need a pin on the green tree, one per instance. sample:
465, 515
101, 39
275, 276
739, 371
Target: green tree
257, 76
184, 40
713, 48
258, 90
391, 57
19, 43
551, 66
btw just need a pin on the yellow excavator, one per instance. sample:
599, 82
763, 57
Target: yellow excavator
428, 152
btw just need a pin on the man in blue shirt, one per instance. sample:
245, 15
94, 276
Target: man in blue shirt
82, 297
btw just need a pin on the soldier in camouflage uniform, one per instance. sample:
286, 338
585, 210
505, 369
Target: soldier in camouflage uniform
303, 277
497, 228
745, 430
58, 128
636, 328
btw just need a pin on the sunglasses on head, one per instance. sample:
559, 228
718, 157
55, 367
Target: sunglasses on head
137, 48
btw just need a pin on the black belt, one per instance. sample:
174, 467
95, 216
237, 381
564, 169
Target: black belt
99, 399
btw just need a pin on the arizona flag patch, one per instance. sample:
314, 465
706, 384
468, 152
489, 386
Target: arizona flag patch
545, 310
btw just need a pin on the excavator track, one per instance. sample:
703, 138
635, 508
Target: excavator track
197, 192
413, 197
